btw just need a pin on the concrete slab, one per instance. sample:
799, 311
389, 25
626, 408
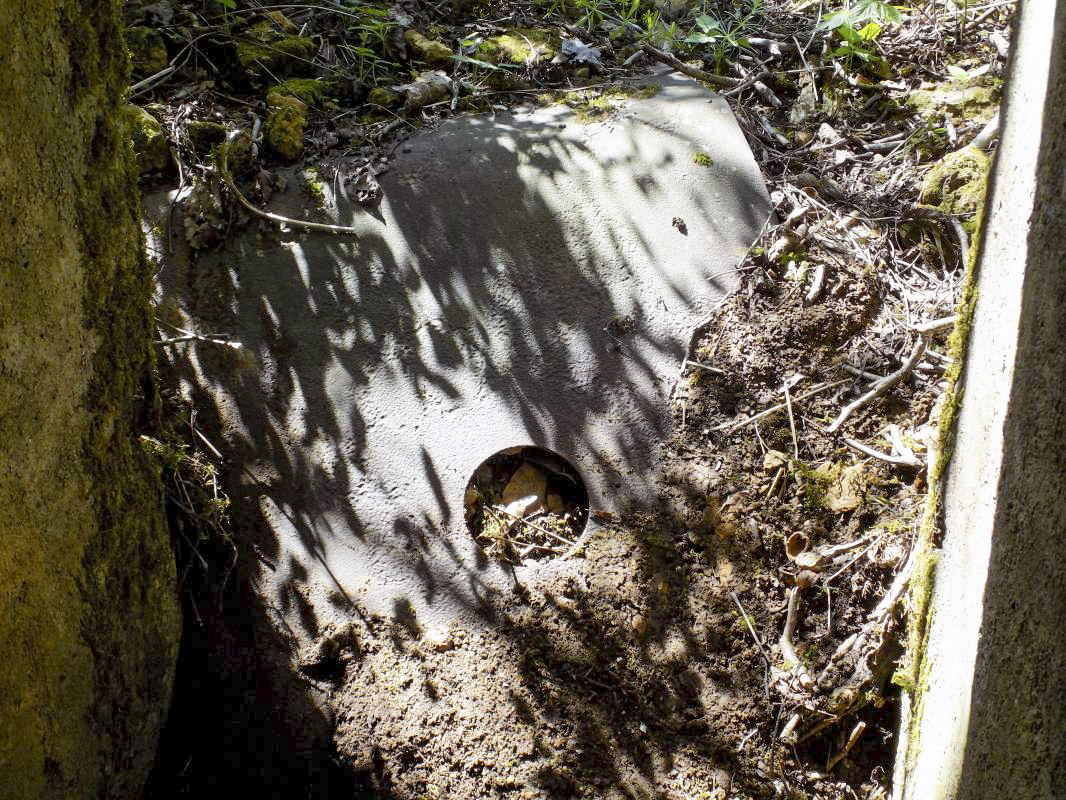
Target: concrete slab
529, 279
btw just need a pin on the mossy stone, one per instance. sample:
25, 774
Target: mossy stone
280, 54
277, 100
311, 92
956, 184
149, 141
148, 51
285, 132
520, 47
386, 98
427, 49
203, 135
976, 99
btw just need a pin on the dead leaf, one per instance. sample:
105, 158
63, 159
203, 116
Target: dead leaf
810, 560
363, 183
773, 460
576, 51
796, 544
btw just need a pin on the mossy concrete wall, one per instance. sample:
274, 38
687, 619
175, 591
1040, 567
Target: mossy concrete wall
988, 718
89, 618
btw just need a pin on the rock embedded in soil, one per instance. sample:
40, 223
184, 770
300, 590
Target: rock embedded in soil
149, 141
427, 49
526, 491
976, 99
956, 184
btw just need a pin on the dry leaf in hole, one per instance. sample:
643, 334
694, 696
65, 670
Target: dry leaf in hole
810, 560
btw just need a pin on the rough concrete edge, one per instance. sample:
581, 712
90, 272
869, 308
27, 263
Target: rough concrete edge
913, 673
692, 340
94, 662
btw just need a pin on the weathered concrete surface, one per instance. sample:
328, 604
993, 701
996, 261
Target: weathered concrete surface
989, 717
89, 619
523, 282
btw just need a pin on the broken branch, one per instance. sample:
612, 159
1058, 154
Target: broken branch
881, 386
908, 461
692, 72
297, 223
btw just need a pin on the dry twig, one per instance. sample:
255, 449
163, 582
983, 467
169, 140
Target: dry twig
692, 72
296, 223
731, 426
881, 386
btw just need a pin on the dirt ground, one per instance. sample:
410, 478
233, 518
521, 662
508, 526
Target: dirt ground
741, 642
634, 673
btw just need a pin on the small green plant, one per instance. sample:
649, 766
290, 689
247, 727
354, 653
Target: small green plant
368, 37
629, 12
702, 160
591, 12
725, 36
861, 13
858, 24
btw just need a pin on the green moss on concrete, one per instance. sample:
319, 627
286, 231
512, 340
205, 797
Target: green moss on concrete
914, 668
314, 188
593, 104
89, 620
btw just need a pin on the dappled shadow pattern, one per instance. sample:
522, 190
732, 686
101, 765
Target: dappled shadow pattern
469, 315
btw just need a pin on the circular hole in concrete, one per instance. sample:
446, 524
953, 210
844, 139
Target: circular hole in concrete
526, 504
